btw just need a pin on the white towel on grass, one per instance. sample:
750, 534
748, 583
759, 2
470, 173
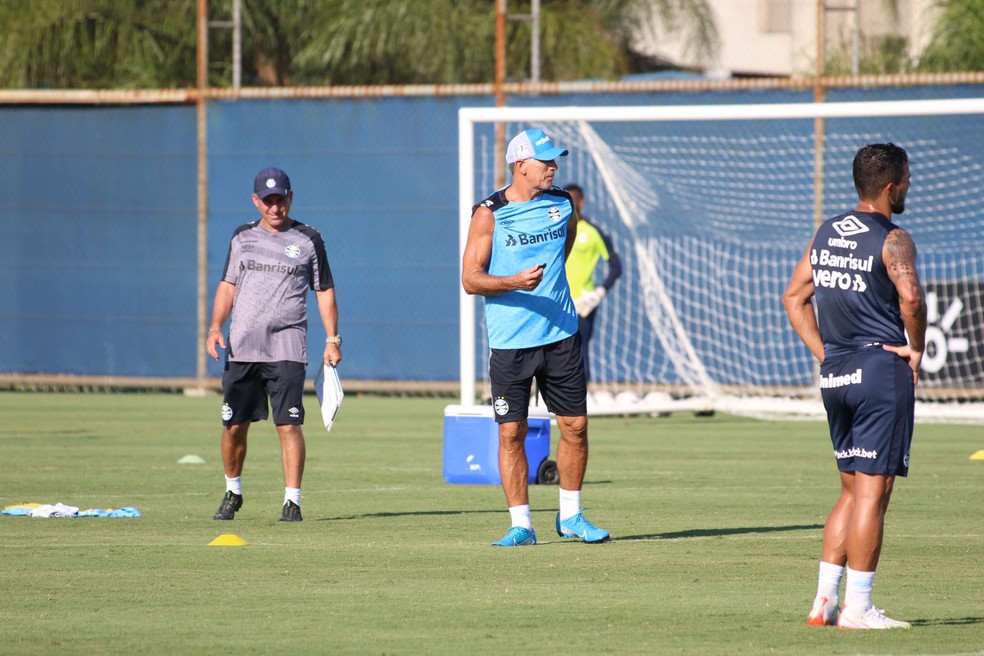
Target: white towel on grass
57, 510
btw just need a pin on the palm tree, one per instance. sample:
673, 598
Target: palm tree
97, 44
386, 41
152, 43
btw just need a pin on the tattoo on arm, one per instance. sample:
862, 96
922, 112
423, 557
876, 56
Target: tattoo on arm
901, 260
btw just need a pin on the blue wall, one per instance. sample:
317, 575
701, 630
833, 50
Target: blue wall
97, 257
99, 254
378, 178
99, 249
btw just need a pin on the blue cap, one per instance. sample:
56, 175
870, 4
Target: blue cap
271, 181
532, 144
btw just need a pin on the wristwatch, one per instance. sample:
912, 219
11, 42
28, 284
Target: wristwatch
336, 340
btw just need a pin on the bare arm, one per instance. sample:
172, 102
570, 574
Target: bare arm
614, 262
328, 309
225, 293
899, 256
478, 251
798, 301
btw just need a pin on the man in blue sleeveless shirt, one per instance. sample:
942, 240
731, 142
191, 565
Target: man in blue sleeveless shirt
862, 270
517, 244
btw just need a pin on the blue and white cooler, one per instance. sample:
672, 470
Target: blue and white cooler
471, 446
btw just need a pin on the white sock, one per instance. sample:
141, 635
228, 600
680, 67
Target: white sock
520, 516
234, 485
570, 503
829, 582
857, 591
292, 494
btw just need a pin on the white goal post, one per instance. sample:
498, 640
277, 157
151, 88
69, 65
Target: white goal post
710, 208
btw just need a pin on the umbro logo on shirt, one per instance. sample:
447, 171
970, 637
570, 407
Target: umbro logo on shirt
849, 225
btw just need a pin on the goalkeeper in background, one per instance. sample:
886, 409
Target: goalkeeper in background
590, 246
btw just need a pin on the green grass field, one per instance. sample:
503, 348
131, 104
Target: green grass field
716, 526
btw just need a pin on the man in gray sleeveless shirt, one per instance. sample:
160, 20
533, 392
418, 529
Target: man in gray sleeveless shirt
271, 265
869, 333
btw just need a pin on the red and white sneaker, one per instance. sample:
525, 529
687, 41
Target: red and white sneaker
823, 613
872, 618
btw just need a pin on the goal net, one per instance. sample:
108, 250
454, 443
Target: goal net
710, 208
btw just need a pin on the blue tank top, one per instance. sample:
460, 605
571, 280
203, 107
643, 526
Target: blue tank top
857, 303
527, 234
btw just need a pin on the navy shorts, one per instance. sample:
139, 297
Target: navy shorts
247, 385
870, 399
558, 369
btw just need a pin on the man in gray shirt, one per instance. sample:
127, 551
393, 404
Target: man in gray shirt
271, 265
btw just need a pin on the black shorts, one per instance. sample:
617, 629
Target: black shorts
558, 369
870, 399
246, 386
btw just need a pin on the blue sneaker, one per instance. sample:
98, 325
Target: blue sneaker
577, 527
517, 537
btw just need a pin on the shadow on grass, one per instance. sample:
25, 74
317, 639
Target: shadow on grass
676, 535
717, 532
414, 513
955, 621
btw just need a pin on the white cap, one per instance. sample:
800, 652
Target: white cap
532, 144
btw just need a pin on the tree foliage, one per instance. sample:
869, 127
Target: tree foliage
882, 55
152, 43
956, 44
64, 44
97, 44
958, 38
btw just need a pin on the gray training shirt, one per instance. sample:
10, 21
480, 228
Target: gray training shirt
272, 272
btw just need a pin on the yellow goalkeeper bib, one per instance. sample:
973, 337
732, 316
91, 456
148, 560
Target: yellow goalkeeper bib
588, 248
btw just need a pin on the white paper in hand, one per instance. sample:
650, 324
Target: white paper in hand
329, 390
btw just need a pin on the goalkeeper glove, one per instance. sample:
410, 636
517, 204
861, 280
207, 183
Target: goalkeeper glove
589, 301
